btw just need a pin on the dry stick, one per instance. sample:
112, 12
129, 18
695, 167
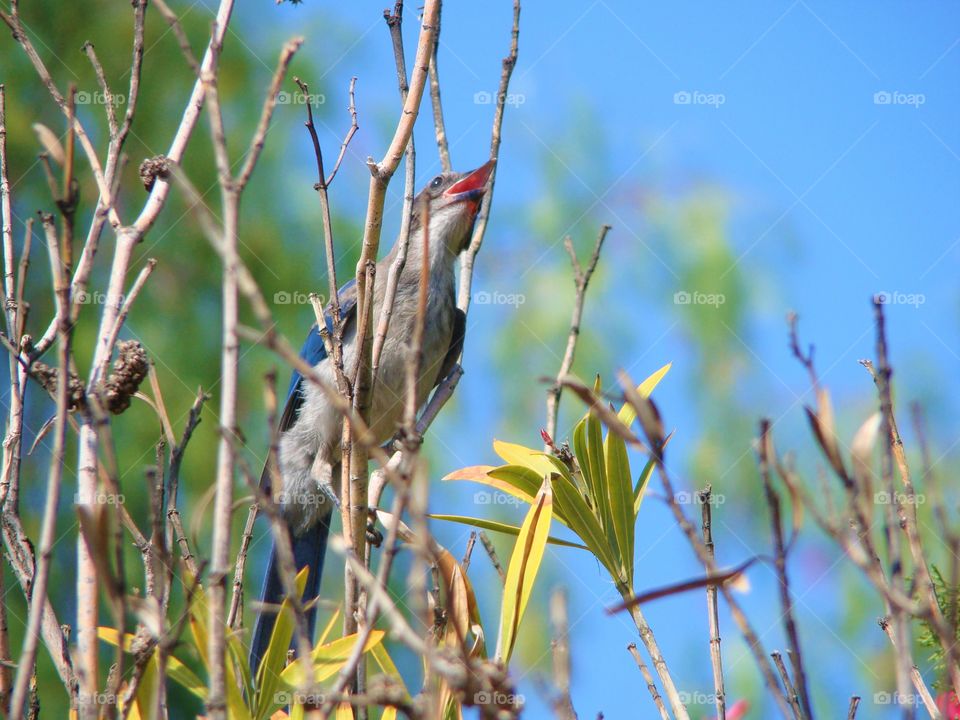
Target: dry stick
380, 174
12, 441
915, 677
127, 238
480, 228
322, 186
901, 630
12, 20
788, 686
907, 514
38, 590
645, 671
780, 564
739, 617
114, 162
492, 554
563, 704
231, 190
716, 659
438, 125
395, 24
581, 278
854, 704
368, 612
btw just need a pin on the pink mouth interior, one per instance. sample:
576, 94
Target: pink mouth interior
474, 181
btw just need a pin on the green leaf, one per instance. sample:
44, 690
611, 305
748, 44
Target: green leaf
580, 452
641, 486
620, 496
500, 527
581, 519
522, 570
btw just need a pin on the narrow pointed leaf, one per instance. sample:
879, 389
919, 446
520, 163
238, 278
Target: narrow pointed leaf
522, 570
620, 497
501, 527
641, 486
627, 413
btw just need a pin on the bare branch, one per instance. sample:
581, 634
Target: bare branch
581, 279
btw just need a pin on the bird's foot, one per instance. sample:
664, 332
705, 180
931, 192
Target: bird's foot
374, 536
329, 494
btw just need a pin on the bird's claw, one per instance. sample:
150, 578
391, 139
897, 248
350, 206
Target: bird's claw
374, 536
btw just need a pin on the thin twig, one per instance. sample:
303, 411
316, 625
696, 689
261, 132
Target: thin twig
648, 678
780, 564
439, 127
581, 278
562, 704
716, 658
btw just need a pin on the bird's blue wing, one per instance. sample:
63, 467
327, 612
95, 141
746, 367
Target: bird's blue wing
313, 351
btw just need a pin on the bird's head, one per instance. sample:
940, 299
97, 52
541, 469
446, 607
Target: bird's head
453, 199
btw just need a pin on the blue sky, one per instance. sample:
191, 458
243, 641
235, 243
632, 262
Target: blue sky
832, 130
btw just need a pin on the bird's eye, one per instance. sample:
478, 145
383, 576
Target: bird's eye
436, 182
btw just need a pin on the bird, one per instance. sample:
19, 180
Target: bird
308, 448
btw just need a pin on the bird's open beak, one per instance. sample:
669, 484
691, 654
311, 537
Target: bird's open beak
472, 186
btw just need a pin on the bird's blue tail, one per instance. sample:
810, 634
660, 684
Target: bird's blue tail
309, 549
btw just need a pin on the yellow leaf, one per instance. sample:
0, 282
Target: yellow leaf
627, 413
522, 570
527, 457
